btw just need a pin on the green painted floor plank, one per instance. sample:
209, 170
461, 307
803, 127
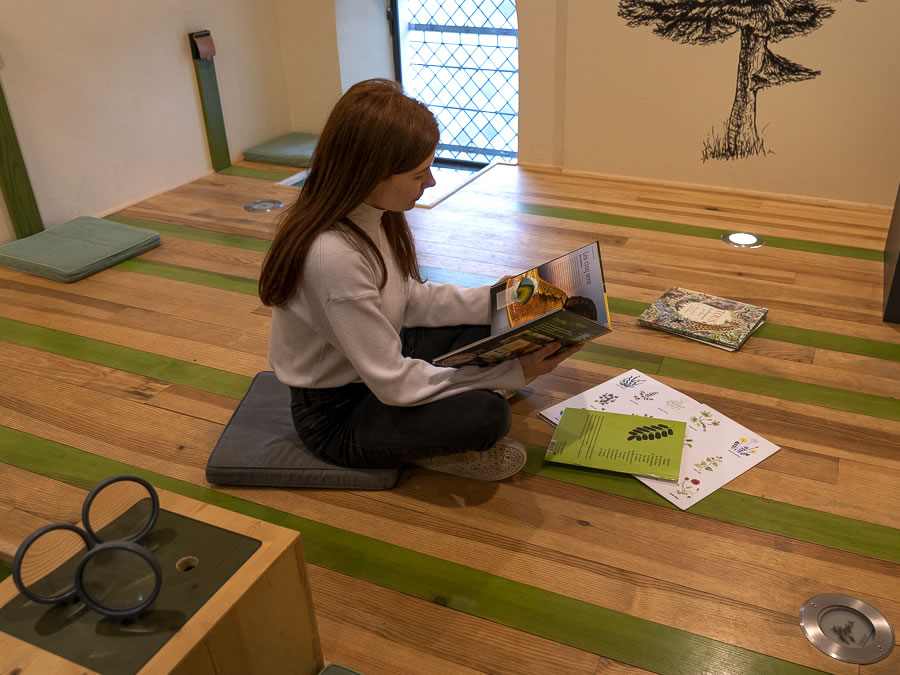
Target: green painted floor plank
796, 522
225, 282
195, 233
800, 336
737, 380
127, 359
695, 231
638, 642
830, 341
620, 358
788, 390
249, 172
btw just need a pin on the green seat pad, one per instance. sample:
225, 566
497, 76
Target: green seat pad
260, 447
293, 149
77, 248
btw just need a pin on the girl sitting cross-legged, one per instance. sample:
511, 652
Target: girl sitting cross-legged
354, 328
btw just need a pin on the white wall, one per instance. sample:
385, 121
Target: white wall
542, 80
309, 53
634, 104
104, 98
364, 41
107, 111
106, 106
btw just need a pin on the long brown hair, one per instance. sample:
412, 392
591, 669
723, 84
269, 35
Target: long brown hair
373, 132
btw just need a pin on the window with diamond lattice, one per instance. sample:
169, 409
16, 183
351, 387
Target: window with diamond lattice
462, 61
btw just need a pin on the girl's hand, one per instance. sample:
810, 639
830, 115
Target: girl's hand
545, 359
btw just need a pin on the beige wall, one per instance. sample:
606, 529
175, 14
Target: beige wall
109, 114
105, 103
310, 56
364, 41
638, 105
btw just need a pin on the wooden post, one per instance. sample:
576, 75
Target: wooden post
203, 50
892, 267
17, 192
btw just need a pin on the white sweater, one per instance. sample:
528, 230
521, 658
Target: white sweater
340, 328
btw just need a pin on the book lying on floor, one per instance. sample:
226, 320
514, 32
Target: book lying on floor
632, 393
716, 451
716, 321
616, 442
563, 300
716, 448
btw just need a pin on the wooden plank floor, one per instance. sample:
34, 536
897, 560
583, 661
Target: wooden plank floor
139, 367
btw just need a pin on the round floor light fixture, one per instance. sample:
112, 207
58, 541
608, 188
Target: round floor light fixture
743, 239
846, 628
262, 205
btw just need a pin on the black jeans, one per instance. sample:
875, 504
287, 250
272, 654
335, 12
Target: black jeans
349, 426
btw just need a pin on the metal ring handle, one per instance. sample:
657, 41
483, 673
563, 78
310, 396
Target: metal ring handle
112, 612
99, 487
23, 549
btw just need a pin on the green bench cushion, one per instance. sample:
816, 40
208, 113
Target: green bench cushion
293, 149
77, 248
260, 447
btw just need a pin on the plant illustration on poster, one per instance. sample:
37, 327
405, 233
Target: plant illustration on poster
757, 23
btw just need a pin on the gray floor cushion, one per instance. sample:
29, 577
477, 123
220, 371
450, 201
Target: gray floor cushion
293, 149
77, 248
260, 447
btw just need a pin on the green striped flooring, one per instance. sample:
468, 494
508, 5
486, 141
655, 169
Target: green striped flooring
619, 636
695, 231
758, 513
249, 172
791, 334
129, 360
637, 223
616, 635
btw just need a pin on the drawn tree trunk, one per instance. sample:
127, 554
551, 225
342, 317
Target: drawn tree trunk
759, 22
741, 132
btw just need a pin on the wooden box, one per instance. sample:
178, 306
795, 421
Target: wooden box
260, 620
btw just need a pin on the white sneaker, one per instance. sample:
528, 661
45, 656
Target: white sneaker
503, 460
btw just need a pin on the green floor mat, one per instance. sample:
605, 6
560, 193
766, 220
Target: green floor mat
293, 149
77, 248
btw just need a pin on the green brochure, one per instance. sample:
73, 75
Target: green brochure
646, 446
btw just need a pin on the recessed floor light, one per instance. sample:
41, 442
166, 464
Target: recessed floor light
846, 628
743, 239
263, 205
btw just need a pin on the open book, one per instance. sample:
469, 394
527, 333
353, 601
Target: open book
563, 300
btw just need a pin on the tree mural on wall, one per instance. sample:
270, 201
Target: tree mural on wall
759, 23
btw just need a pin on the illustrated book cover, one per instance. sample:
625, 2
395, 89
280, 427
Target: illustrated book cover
563, 300
645, 446
703, 317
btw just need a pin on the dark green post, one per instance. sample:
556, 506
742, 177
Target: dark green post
203, 50
17, 192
